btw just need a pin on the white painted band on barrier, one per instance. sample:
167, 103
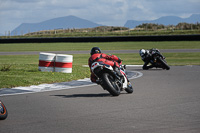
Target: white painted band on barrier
64, 70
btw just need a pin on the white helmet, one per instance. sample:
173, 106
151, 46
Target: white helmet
142, 52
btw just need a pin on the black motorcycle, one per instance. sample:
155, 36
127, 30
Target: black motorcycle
3, 111
158, 60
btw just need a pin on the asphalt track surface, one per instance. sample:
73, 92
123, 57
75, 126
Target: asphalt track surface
162, 102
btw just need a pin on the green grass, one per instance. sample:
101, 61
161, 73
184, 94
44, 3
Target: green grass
28, 74
104, 46
183, 58
22, 70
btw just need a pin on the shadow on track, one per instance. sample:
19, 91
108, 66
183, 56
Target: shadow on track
83, 95
151, 69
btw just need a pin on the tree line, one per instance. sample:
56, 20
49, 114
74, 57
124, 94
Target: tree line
179, 26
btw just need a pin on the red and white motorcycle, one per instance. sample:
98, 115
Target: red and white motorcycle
3, 111
109, 80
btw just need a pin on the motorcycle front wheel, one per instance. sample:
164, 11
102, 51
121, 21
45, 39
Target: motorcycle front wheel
109, 84
3, 111
164, 64
129, 88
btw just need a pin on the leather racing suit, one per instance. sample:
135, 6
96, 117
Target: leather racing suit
111, 60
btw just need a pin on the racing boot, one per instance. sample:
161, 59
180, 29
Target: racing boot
117, 70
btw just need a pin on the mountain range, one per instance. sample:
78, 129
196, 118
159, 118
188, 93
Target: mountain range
167, 20
70, 22
56, 23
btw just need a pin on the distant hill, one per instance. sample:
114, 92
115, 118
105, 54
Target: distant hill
167, 20
56, 23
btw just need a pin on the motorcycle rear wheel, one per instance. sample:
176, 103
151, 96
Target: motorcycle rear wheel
109, 84
3, 111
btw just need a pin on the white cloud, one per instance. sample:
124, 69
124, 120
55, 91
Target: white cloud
112, 12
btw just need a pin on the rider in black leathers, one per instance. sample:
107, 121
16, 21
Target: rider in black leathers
146, 56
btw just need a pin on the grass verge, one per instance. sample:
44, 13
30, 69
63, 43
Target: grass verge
23, 69
19, 47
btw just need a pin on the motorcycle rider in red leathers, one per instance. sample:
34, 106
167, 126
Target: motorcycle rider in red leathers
97, 56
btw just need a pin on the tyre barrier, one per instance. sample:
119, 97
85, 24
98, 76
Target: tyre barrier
63, 63
46, 62
50, 62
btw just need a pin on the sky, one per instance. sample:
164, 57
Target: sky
105, 12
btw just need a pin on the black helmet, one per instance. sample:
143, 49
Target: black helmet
95, 50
